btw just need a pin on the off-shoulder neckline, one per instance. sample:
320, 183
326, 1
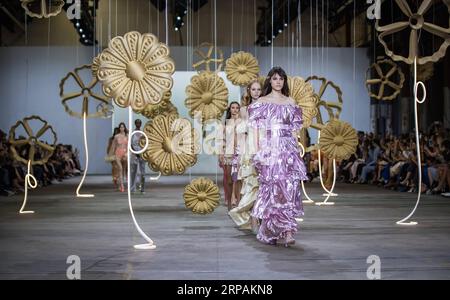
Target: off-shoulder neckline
277, 104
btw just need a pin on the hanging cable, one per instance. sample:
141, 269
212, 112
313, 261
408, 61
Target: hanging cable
167, 22
272, 35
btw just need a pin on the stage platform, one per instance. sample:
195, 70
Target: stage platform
333, 242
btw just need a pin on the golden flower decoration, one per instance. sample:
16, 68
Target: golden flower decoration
338, 140
209, 56
208, 95
95, 66
163, 107
84, 94
303, 94
241, 68
42, 8
136, 70
173, 144
414, 23
388, 81
201, 196
333, 106
33, 140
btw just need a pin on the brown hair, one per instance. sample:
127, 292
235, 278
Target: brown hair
267, 89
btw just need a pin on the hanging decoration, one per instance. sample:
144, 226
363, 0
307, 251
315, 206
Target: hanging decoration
201, 196
42, 8
391, 77
208, 95
333, 107
84, 94
32, 141
38, 151
415, 23
241, 68
173, 144
163, 107
136, 70
95, 66
208, 55
303, 94
338, 140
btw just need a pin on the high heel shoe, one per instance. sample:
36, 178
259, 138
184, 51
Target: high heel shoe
122, 189
289, 241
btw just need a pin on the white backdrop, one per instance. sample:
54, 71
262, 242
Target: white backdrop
30, 80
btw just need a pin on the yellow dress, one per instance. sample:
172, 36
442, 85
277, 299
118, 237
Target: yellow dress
247, 173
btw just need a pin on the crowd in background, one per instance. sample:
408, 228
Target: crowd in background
64, 163
391, 162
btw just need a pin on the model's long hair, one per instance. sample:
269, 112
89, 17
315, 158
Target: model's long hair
247, 98
228, 115
267, 89
126, 130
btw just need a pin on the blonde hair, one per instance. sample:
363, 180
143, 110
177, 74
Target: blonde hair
247, 97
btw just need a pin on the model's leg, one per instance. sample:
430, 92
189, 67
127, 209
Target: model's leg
119, 172
227, 185
133, 171
141, 163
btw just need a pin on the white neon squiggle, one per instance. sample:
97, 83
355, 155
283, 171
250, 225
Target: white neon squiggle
28, 182
302, 154
87, 161
303, 185
150, 245
419, 162
328, 192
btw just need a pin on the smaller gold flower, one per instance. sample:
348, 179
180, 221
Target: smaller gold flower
338, 140
173, 144
208, 95
241, 68
201, 196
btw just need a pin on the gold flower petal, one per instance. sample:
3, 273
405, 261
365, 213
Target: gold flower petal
206, 89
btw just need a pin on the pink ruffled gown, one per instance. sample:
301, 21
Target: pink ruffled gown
280, 169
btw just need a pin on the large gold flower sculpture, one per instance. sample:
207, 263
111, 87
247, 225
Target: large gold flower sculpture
42, 8
208, 95
303, 94
241, 68
415, 22
338, 140
387, 83
136, 70
163, 107
201, 196
33, 141
173, 144
85, 92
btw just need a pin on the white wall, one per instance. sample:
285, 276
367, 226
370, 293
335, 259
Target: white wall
31, 76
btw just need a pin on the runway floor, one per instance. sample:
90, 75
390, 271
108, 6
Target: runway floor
334, 242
